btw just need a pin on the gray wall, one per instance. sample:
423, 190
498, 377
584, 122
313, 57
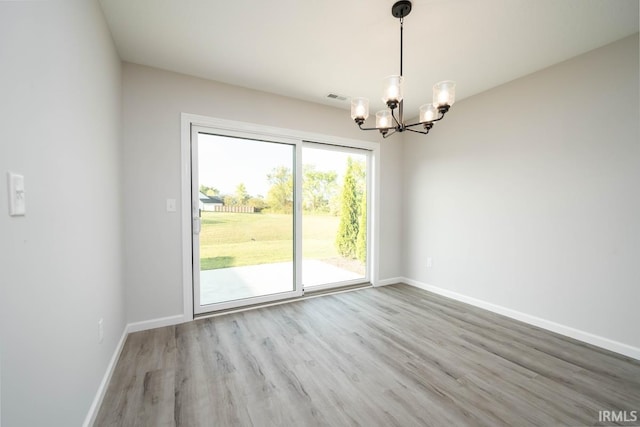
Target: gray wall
527, 196
153, 101
61, 264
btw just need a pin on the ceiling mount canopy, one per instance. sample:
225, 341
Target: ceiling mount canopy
401, 8
387, 121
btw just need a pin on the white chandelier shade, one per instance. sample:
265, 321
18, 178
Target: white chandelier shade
392, 89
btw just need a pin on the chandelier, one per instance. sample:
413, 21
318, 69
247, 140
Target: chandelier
387, 121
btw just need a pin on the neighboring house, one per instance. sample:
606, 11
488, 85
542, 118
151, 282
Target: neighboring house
208, 203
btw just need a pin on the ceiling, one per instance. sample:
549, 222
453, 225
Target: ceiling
307, 49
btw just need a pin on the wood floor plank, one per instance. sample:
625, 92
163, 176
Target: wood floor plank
391, 356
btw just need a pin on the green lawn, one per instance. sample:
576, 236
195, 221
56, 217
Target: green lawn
236, 239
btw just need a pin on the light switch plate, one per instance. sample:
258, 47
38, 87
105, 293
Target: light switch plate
171, 205
17, 206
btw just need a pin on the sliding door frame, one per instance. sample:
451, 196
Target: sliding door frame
191, 122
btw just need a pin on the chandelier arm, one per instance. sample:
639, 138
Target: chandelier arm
361, 128
386, 135
410, 125
442, 113
387, 129
419, 131
398, 124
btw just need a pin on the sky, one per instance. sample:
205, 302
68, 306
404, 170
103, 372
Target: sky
225, 162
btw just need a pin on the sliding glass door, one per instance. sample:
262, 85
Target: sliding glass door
272, 217
244, 240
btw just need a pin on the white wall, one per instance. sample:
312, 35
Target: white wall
61, 264
527, 196
153, 101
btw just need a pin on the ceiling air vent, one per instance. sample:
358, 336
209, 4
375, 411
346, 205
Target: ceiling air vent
337, 97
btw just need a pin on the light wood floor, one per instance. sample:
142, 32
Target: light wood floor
391, 356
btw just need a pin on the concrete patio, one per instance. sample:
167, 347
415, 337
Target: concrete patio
233, 283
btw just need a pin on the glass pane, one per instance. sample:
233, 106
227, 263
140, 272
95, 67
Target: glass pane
247, 223
334, 216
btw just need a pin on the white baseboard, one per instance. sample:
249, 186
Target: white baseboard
102, 389
157, 323
392, 281
568, 331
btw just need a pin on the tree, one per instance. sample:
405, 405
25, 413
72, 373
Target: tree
257, 202
209, 191
318, 187
361, 241
349, 214
359, 174
241, 195
280, 195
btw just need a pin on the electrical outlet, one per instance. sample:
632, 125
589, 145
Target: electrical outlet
429, 262
100, 331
